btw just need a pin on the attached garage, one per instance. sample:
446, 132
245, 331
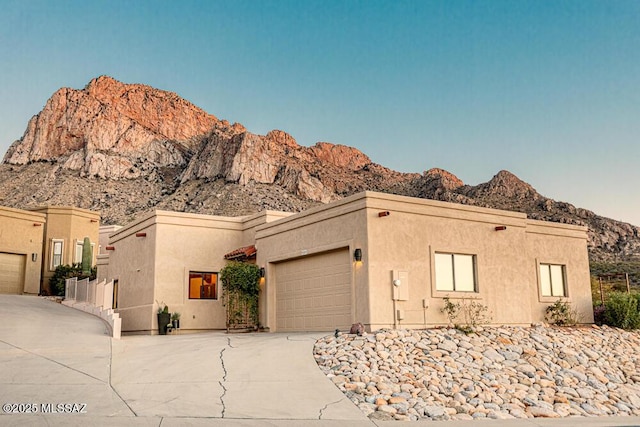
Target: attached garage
11, 273
314, 293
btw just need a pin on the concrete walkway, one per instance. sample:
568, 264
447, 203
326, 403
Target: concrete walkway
50, 355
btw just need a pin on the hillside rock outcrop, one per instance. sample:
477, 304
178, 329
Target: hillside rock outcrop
112, 130
125, 149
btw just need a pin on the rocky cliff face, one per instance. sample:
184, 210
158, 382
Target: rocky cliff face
112, 130
124, 149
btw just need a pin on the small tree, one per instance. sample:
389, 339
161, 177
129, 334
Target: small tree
240, 284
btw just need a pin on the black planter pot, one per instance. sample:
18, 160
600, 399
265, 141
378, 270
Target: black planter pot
163, 321
176, 324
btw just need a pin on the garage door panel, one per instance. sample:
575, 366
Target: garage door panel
314, 293
11, 273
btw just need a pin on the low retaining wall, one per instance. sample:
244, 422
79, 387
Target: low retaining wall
94, 298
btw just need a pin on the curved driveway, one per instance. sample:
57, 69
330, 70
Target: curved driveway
51, 354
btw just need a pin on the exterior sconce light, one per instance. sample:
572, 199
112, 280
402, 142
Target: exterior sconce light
37, 224
261, 272
94, 220
34, 257
357, 255
384, 213
110, 248
141, 234
501, 228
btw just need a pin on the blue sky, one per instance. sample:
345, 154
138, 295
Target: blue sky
547, 90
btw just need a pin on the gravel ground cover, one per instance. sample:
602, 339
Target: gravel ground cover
495, 372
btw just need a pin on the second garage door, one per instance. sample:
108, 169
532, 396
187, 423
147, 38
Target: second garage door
11, 273
314, 293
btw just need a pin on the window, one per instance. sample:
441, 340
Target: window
455, 272
203, 285
78, 257
56, 253
552, 280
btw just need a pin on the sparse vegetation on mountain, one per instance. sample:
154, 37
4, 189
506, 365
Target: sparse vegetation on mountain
125, 149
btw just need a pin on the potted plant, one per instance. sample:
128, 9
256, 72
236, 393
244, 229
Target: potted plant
175, 320
164, 318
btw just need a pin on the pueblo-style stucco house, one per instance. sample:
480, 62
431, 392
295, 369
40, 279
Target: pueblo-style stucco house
34, 242
379, 259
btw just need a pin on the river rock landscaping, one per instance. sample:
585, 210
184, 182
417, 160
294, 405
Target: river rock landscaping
495, 372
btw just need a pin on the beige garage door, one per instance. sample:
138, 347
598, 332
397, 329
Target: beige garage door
314, 293
11, 273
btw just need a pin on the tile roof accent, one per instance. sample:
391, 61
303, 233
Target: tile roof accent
242, 253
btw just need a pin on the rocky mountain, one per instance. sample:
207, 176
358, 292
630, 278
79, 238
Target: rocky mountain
124, 149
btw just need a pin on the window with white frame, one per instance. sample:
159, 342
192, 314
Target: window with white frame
552, 280
57, 246
455, 272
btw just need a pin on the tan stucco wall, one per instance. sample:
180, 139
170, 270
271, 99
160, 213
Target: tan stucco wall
21, 232
155, 269
103, 236
308, 233
553, 243
407, 240
71, 225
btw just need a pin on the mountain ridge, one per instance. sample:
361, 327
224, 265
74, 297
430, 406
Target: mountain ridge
124, 149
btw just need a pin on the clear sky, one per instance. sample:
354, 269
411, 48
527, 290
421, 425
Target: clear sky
549, 90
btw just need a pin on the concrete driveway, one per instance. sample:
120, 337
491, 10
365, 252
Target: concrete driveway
52, 355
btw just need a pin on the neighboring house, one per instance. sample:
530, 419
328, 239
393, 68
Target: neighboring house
64, 234
103, 236
379, 259
21, 239
34, 242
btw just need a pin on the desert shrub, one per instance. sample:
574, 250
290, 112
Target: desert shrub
471, 313
63, 272
622, 310
560, 313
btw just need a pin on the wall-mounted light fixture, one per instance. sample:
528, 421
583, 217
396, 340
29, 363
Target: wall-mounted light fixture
34, 257
141, 234
357, 255
501, 228
94, 220
37, 224
384, 213
110, 248
261, 271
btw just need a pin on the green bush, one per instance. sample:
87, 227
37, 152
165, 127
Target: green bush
241, 286
622, 310
560, 313
63, 272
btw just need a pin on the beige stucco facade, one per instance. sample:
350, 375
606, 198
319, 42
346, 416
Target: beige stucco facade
67, 226
21, 239
400, 237
151, 260
313, 282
